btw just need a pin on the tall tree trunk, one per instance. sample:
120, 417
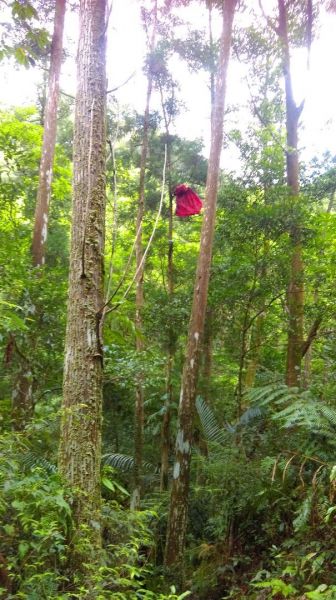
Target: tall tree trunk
22, 395
165, 431
177, 523
139, 295
296, 284
80, 443
49, 139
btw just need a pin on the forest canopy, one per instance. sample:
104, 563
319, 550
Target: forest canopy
168, 328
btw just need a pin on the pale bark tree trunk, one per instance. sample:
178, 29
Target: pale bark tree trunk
22, 395
49, 139
177, 522
165, 429
296, 284
139, 294
80, 443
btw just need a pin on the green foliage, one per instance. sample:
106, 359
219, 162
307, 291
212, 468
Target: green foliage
22, 37
36, 522
262, 491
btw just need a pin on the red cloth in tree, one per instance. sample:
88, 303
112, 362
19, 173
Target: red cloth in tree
187, 202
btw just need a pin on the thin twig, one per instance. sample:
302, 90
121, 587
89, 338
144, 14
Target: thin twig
122, 84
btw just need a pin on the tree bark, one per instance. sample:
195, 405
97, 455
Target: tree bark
139, 294
22, 397
207, 355
49, 140
296, 284
177, 522
80, 442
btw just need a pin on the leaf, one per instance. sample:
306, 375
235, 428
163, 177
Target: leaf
23, 549
20, 55
63, 504
121, 489
108, 484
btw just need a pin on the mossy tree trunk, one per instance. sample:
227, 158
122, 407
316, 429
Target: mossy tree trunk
80, 442
177, 522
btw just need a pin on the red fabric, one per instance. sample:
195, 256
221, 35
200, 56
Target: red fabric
187, 202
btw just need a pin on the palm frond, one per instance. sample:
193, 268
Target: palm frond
254, 412
125, 463
212, 431
31, 460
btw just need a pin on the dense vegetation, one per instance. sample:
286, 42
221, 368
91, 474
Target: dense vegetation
262, 492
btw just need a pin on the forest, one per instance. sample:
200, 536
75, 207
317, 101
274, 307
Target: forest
168, 330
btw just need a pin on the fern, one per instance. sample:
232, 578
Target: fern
268, 393
303, 513
294, 408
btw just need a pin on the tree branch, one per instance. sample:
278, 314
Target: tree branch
311, 335
122, 84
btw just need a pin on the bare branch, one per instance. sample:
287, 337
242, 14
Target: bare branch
121, 85
268, 19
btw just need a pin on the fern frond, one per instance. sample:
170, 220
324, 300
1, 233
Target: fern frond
268, 394
328, 413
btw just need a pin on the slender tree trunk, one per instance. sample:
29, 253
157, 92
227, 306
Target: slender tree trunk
80, 442
212, 57
165, 431
254, 350
139, 295
49, 139
22, 395
258, 328
177, 522
307, 368
296, 284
